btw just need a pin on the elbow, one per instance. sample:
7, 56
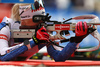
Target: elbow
60, 58
4, 58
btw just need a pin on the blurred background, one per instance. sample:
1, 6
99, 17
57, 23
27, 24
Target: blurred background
66, 9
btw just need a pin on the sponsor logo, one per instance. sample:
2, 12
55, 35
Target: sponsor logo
25, 16
62, 27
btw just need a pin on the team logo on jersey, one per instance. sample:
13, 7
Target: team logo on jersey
62, 27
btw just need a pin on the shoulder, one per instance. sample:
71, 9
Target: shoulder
7, 20
4, 23
13, 24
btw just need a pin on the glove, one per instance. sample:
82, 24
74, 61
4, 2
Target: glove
38, 18
41, 36
81, 28
81, 31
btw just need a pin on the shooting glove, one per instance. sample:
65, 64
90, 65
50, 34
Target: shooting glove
41, 36
81, 31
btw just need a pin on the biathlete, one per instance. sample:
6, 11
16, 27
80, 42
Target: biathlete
22, 16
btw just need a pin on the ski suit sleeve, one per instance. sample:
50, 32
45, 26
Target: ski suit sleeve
8, 53
64, 54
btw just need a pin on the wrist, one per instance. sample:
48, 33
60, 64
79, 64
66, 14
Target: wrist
35, 40
48, 44
76, 39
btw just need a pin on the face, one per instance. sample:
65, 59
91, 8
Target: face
28, 11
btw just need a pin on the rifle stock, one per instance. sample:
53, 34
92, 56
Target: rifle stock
28, 33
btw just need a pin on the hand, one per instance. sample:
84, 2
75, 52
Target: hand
81, 28
41, 35
81, 31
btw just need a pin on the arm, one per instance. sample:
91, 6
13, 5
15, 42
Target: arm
64, 54
81, 31
8, 53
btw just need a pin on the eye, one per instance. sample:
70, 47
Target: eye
53, 33
64, 32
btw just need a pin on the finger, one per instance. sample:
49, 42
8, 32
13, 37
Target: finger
43, 29
90, 30
78, 27
85, 27
46, 35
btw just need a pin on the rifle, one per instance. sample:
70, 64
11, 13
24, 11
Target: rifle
58, 27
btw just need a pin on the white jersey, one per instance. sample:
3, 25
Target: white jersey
5, 35
12, 23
